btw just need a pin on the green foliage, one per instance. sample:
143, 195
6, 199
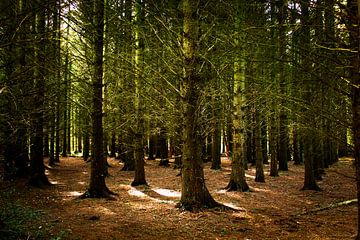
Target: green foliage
63, 234
20, 223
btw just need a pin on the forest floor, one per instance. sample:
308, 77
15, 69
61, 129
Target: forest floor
277, 209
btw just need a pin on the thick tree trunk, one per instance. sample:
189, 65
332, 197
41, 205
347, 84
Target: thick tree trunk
237, 178
308, 98
37, 168
309, 178
194, 193
139, 178
97, 187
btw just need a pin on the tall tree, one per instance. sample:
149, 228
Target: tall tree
283, 129
308, 96
97, 187
194, 193
37, 167
139, 12
237, 179
273, 143
353, 20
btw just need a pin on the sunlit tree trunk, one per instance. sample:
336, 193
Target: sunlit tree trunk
194, 193
237, 179
139, 178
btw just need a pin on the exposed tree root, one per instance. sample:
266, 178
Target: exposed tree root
342, 174
98, 193
196, 207
240, 187
330, 206
139, 183
39, 180
312, 187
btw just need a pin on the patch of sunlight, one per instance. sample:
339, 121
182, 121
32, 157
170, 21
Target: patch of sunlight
167, 192
134, 192
104, 210
249, 176
221, 191
260, 190
233, 206
73, 194
54, 182
85, 173
242, 215
81, 183
137, 193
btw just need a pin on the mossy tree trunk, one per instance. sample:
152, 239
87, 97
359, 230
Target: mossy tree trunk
194, 193
139, 178
237, 179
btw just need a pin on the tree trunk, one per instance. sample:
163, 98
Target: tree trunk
259, 176
151, 148
307, 133
194, 193
97, 187
237, 178
216, 132
37, 168
163, 146
353, 20
273, 145
139, 178
113, 145
264, 142
283, 129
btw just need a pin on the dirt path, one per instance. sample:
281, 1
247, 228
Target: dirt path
268, 212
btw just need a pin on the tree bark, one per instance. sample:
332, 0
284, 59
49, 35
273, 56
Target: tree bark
237, 178
194, 193
353, 15
307, 133
37, 167
139, 178
97, 187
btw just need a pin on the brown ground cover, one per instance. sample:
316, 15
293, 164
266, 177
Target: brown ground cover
276, 209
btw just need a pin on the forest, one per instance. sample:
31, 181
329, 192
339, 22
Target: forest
183, 119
